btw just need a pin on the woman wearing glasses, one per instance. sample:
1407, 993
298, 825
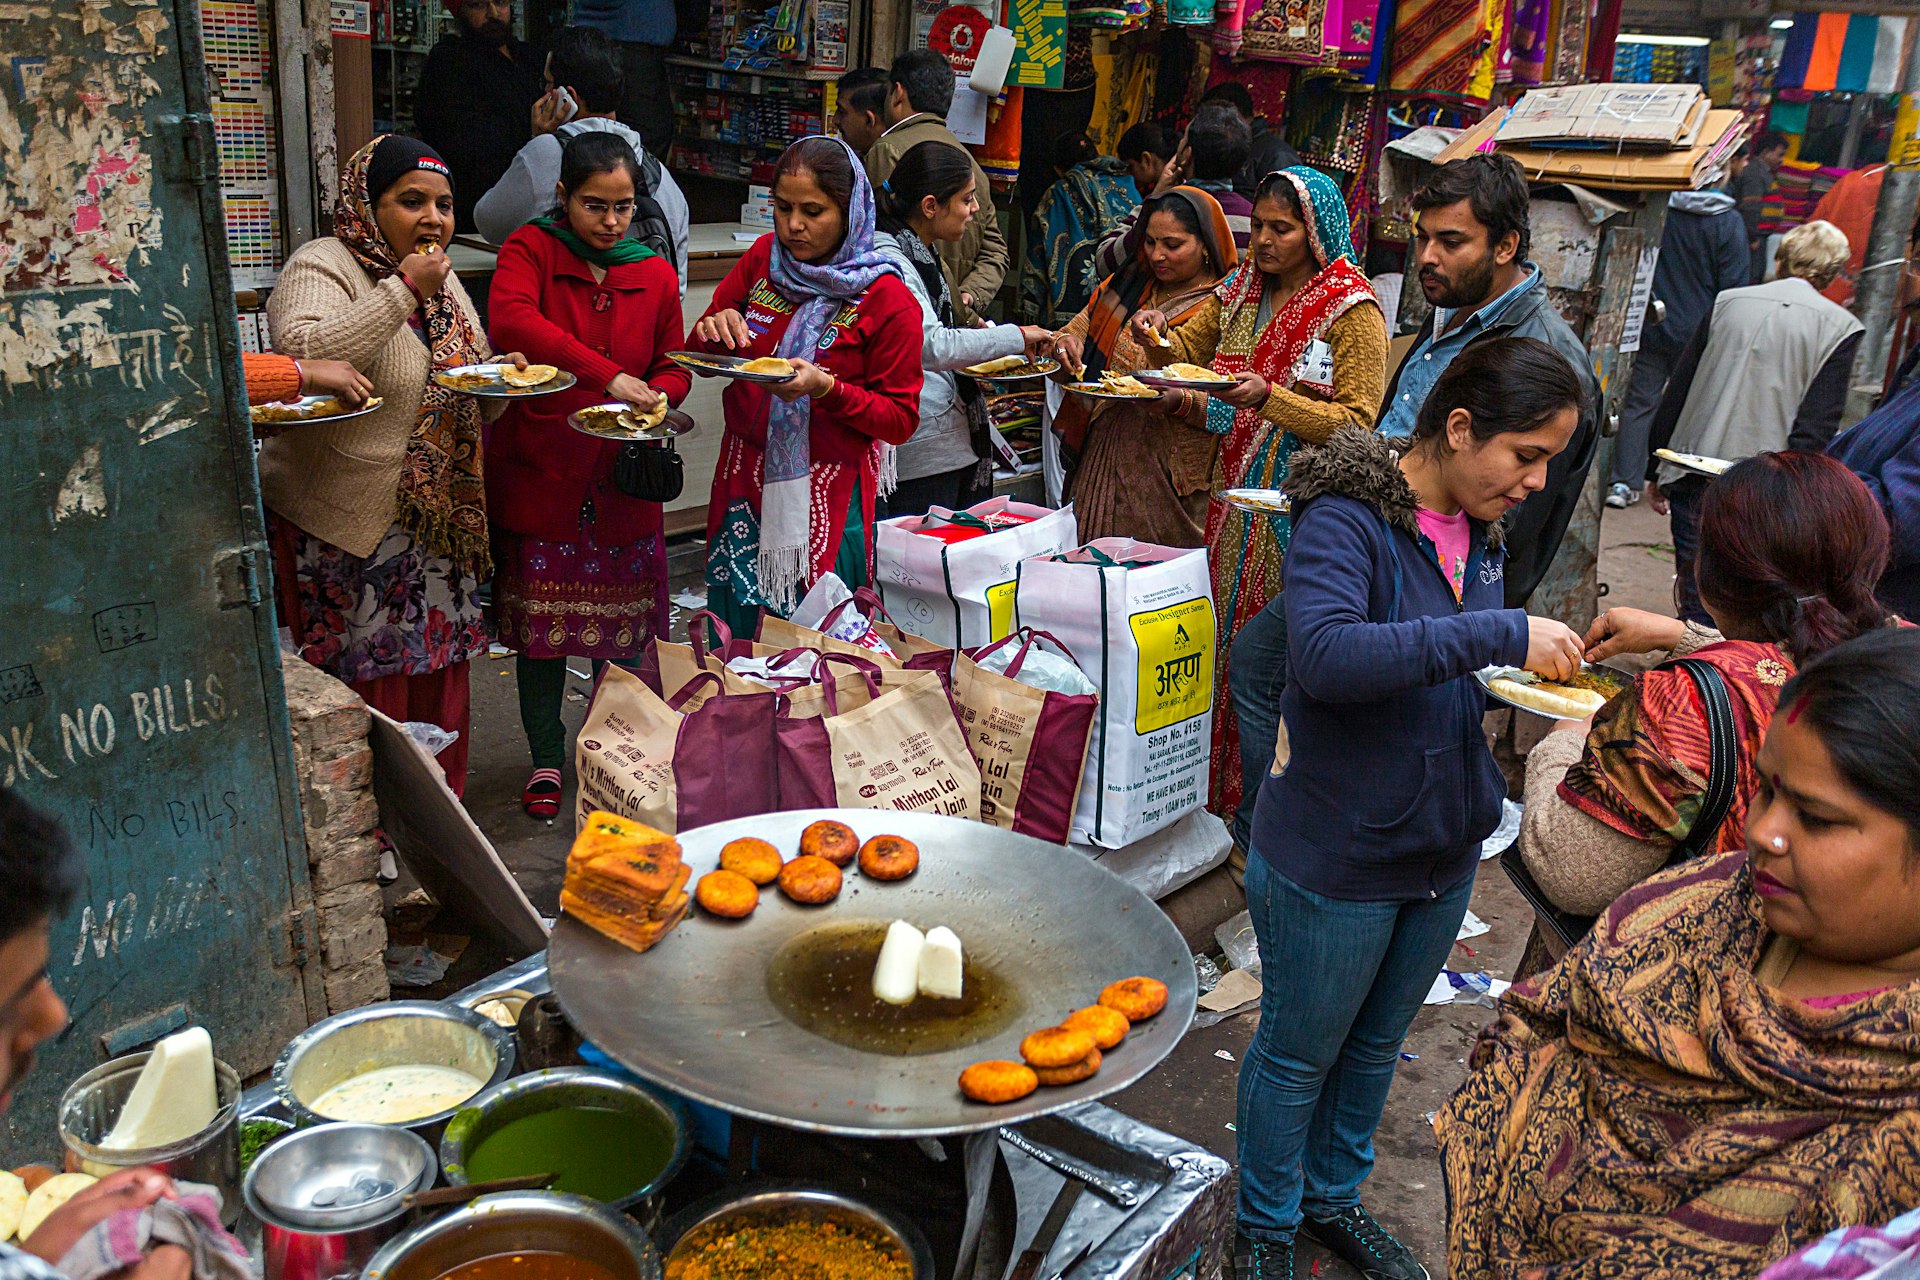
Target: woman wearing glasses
580, 568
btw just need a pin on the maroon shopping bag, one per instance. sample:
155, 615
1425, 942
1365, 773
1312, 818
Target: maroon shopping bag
1030, 743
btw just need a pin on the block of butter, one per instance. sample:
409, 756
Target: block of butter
175, 1096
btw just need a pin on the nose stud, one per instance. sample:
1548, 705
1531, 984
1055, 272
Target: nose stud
1778, 844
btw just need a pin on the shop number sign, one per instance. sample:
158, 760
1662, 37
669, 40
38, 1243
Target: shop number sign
1040, 43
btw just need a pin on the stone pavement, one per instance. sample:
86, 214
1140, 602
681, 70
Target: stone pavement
1192, 1094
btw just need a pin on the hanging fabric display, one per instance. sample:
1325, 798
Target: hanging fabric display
1569, 24
1230, 26
1287, 31
1437, 44
1527, 41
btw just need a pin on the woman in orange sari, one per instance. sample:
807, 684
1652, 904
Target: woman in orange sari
1298, 328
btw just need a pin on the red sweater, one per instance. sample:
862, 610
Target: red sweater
546, 304
874, 358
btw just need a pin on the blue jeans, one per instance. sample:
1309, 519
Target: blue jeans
1683, 505
1256, 675
1342, 981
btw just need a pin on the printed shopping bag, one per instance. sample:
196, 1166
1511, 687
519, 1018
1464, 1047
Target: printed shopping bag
889, 738
1030, 742
1140, 617
949, 575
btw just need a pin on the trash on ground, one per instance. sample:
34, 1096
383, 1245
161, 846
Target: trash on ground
1472, 927
1450, 987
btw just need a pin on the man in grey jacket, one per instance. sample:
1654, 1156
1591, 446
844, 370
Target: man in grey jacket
586, 63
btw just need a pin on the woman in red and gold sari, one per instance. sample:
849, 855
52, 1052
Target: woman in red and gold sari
1299, 329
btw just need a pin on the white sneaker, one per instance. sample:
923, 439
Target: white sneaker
1621, 496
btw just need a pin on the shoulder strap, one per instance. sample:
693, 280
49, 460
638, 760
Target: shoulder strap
1723, 746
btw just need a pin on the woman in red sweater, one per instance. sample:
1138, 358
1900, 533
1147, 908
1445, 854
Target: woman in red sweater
580, 568
803, 459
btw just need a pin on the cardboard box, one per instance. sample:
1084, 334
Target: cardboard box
1634, 115
1691, 168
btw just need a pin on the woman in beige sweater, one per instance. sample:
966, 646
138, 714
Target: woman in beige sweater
1791, 545
379, 523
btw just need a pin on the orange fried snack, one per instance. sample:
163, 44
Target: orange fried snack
810, 880
625, 880
1073, 1074
755, 859
726, 893
831, 840
1108, 1027
1056, 1047
998, 1081
889, 858
1135, 998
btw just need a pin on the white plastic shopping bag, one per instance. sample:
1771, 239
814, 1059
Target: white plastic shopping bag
1140, 619
949, 575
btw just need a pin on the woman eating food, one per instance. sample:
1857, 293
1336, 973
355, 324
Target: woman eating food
379, 523
1728, 1065
929, 199
1144, 469
1298, 329
1368, 827
580, 565
802, 461
1791, 545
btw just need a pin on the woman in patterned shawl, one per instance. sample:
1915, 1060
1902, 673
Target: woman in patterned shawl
1791, 546
1729, 1064
1299, 329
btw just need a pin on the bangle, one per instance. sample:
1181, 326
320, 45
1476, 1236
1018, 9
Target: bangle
413, 288
833, 385
300, 375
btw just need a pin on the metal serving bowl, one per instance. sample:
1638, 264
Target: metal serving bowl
566, 1087
400, 1033
519, 1222
92, 1104
731, 1210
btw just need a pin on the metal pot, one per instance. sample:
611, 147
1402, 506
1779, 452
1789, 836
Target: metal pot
328, 1197
399, 1033
729, 1210
519, 1222
93, 1103
567, 1087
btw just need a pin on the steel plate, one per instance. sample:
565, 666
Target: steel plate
693, 1014
1038, 367
1154, 378
1486, 676
306, 404
498, 389
675, 424
1093, 392
1698, 463
709, 365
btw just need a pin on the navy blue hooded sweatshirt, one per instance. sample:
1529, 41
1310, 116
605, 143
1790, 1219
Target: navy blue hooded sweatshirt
1383, 786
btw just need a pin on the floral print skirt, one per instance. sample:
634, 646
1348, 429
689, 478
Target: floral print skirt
399, 611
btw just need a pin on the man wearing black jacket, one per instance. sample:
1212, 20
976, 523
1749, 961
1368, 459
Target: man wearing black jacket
1471, 248
476, 99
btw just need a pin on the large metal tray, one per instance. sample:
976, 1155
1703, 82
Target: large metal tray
693, 1014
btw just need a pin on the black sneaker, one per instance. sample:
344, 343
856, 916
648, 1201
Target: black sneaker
1353, 1235
1262, 1259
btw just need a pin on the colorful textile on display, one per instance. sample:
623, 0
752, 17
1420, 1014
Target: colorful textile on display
1797, 191
443, 496
1245, 551
1287, 31
1649, 756
821, 289
1230, 26
999, 156
1601, 35
1437, 44
1569, 47
1086, 203
1848, 53
1649, 1107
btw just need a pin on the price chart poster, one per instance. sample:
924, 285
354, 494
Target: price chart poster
1039, 43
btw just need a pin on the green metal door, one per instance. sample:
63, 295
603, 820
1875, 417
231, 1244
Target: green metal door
140, 690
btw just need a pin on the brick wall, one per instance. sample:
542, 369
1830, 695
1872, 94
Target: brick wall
335, 770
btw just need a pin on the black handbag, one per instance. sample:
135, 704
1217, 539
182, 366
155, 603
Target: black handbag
1723, 756
649, 472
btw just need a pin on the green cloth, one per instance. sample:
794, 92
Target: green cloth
850, 563
626, 249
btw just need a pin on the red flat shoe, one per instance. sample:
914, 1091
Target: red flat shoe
541, 799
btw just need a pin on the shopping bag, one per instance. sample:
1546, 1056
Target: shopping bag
1140, 618
1030, 742
700, 755
889, 739
902, 648
948, 576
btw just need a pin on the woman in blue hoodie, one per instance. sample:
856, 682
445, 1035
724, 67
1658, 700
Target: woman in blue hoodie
1367, 830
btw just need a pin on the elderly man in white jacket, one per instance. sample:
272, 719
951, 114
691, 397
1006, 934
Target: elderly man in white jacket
931, 196
585, 65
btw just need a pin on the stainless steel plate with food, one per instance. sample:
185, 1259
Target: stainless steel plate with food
503, 380
759, 369
1013, 368
309, 409
1114, 387
1186, 377
1591, 688
1698, 463
1258, 502
769, 1016
617, 421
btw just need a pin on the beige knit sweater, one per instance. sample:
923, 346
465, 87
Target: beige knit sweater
340, 481
1580, 862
